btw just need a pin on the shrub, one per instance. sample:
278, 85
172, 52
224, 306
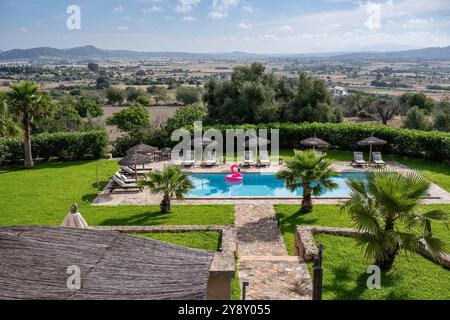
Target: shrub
66, 145
403, 142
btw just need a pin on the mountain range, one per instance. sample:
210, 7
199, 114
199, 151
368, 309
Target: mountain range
92, 53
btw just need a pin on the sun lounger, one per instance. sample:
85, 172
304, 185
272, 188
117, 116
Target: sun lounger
320, 154
264, 160
124, 178
248, 159
189, 160
358, 160
211, 160
125, 170
119, 184
377, 159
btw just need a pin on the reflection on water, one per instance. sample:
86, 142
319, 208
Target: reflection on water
258, 185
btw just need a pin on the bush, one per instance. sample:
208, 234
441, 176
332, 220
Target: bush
403, 142
66, 145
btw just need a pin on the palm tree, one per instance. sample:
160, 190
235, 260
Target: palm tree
311, 172
171, 182
384, 207
8, 127
26, 103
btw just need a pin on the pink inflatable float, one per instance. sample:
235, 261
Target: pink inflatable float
236, 176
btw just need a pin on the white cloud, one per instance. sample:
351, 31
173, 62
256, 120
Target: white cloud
285, 28
188, 19
153, 9
221, 8
23, 29
248, 7
122, 28
244, 25
185, 6
418, 23
118, 9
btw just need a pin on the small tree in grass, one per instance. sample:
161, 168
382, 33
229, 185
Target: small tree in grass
310, 172
384, 207
171, 183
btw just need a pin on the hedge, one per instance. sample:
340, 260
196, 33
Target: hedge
403, 142
65, 145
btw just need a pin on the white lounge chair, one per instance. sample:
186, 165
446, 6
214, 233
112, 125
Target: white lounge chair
248, 159
125, 170
358, 160
264, 159
125, 178
211, 159
377, 159
119, 184
319, 154
189, 160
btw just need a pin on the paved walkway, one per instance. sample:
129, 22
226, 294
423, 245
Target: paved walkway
263, 259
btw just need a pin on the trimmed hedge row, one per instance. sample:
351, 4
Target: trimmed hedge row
403, 142
65, 145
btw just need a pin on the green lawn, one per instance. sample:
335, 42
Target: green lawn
209, 241
328, 215
412, 277
43, 196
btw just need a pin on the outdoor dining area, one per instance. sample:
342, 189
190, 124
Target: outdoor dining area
136, 165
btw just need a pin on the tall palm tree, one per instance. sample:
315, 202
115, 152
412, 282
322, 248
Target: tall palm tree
170, 182
311, 172
385, 207
26, 103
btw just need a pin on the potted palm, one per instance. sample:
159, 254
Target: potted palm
311, 172
171, 183
385, 208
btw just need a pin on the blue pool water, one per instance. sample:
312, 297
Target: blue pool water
258, 185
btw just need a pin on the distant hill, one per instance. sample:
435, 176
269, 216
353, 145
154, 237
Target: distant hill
437, 54
91, 52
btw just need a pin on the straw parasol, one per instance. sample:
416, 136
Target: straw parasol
257, 141
203, 141
315, 142
371, 141
134, 160
74, 219
142, 149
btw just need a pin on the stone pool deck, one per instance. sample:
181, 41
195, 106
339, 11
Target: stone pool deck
437, 194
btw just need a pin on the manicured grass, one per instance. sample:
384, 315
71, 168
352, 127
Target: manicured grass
43, 196
345, 277
236, 284
209, 241
201, 215
328, 215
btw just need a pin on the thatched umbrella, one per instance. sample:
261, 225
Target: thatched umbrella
203, 141
257, 141
134, 160
142, 149
315, 142
371, 141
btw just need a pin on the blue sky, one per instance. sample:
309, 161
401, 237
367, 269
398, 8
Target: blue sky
265, 26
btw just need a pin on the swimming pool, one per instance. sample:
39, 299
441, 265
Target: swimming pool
213, 185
